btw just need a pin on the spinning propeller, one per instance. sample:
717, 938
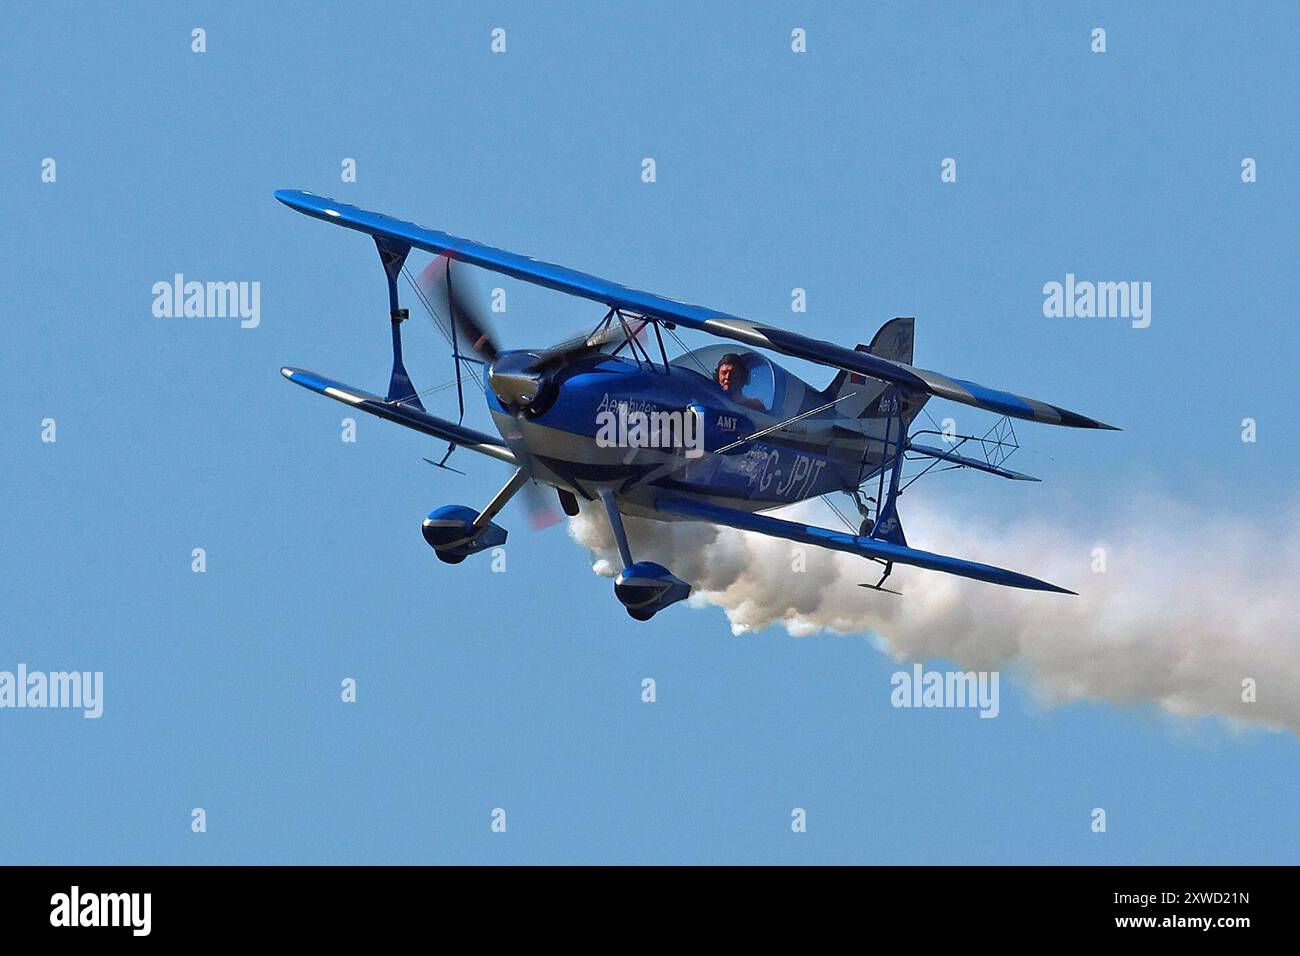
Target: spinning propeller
516, 378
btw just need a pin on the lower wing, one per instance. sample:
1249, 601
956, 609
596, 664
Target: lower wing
850, 543
402, 414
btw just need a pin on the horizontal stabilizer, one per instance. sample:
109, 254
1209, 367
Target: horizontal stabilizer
572, 282
945, 455
403, 414
850, 543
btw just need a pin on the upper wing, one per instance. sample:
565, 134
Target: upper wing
851, 543
612, 294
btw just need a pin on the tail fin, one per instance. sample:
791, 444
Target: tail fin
894, 342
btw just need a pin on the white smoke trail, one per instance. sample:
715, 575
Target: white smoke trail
1189, 606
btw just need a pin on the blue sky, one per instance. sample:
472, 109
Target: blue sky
522, 690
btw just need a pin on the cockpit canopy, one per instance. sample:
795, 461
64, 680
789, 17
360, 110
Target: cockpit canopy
768, 386
753, 379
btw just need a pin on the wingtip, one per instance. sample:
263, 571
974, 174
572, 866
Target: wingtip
1102, 426
1038, 584
1075, 420
297, 199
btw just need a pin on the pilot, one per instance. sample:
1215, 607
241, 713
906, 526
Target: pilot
732, 376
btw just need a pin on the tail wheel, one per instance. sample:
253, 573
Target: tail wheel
450, 557
639, 615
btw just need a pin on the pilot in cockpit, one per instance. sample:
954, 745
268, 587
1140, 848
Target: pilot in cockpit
732, 376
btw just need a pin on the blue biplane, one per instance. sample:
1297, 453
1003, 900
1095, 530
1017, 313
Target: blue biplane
717, 434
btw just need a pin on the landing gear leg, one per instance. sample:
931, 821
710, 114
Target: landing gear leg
501, 498
616, 525
645, 588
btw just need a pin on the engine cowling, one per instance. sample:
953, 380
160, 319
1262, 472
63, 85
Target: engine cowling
522, 383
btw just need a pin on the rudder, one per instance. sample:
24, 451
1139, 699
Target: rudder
892, 341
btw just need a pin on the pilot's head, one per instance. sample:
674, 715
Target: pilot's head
731, 373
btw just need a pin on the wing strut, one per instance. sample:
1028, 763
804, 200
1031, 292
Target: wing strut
393, 255
888, 527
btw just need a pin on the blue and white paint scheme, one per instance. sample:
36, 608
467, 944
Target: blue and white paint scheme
765, 437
